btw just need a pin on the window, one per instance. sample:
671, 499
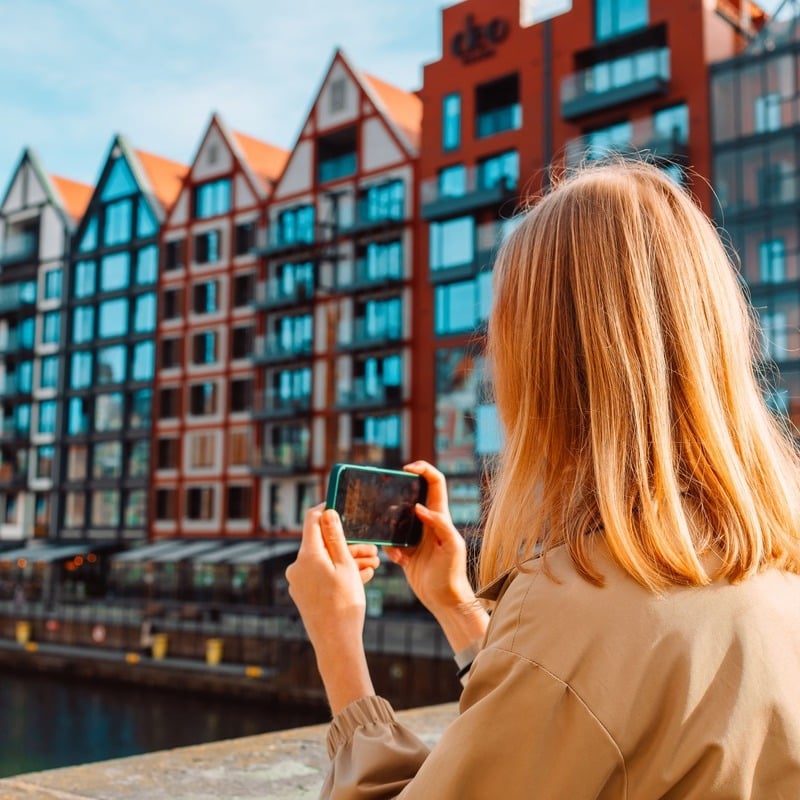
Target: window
242, 342
238, 449
144, 313
384, 201
44, 461
500, 170
767, 112
51, 327
207, 247
213, 198
175, 254
89, 239
293, 281
672, 124
22, 418
169, 403
47, 416
382, 431
166, 504
241, 394
774, 335
243, 290
202, 450
172, 306
78, 416
136, 509
772, 261
83, 324
115, 272
615, 17
296, 225
120, 180
453, 181
336, 155
118, 222
290, 385
77, 461
612, 138
497, 106
292, 334
80, 370
451, 122
147, 266
205, 297
379, 319
75, 510
245, 238
143, 362
52, 284
240, 502
776, 183
140, 409
48, 372
462, 306
203, 398
112, 318
383, 261
146, 223
139, 459
107, 460
168, 451
204, 348
200, 503
171, 353
105, 508
84, 279
111, 363
109, 412
452, 243
338, 94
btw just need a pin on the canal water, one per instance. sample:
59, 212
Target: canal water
47, 723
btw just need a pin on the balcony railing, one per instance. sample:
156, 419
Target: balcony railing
497, 120
19, 247
273, 348
270, 242
332, 169
273, 293
273, 404
283, 459
363, 274
620, 80
363, 394
439, 202
360, 334
365, 221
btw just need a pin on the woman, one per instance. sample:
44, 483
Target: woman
642, 544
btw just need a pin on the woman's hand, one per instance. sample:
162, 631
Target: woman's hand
436, 569
326, 583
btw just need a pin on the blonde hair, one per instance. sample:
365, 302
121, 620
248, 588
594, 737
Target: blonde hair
622, 356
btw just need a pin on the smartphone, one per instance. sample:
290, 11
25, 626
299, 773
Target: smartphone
377, 505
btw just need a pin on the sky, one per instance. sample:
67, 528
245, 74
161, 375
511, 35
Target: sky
73, 73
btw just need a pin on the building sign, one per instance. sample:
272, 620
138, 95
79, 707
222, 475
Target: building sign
532, 12
477, 41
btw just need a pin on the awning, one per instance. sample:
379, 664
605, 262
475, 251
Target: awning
228, 552
267, 552
46, 553
145, 553
183, 550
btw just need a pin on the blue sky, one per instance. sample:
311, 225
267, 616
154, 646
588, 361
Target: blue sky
75, 72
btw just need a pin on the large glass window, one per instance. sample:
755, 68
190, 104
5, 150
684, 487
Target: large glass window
113, 318
767, 110
497, 106
212, 198
48, 372
22, 418
115, 272
52, 284
672, 124
51, 327
25, 377
111, 363
118, 222
120, 180
603, 141
615, 17
83, 324
294, 333
80, 370
25, 333
141, 405
105, 508
84, 279
146, 223
384, 260
381, 319
109, 412
451, 122
47, 416
453, 181
139, 459
144, 313
44, 461
136, 509
147, 266
502, 169
78, 416
143, 363
462, 306
772, 261
77, 461
452, 243
383, 201
107, 460
296, 225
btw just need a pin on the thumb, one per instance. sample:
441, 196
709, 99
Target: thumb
333, 534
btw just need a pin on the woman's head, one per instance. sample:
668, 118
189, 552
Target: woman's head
621, 353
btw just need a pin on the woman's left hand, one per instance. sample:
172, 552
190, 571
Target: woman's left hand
326, 583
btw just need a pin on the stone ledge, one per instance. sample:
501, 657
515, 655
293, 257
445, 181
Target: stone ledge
285, 765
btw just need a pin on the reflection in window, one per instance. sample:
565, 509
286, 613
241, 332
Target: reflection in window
383, 202
113, 318
604, 141
51, 327
105, 509
452, 243
456, 399
296, 225
109, 412
89, 238
75, 510
672, 124
114, 272
768, 112
146, 223
143, 362
80, 370
77, 417
615, 17
139, 459
111, 365
25, 377
107, 460
120, 180
141, 402
44, 461
77, 461
453, 181
135, 509
499, 170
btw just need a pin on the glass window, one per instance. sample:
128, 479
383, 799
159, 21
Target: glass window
296, 225
203, 398
204, 348
51, 327
207, 247
200, 503
205, 297
22, 418
84, 279
105, 508
774, 335
83, 324
25, 333
115, 272
672, 124
502, 169
144, 314
383, 201
615, 17
113, 318
772, 261
139, 459
109, 412
497, 106
120, 180
603, 141
48, 372
464, 305
212, 198
52, 284
78, 417
453, 181
75, 510
77, 460
452, 243
451, 122
80, 370
135, 509
141, 402
147, 266
25, 377
118, 219
47, 416
146, 223
384, 260
456, 399
768, 112
107, 460
111, 365
89, 238
143, 365
44, 461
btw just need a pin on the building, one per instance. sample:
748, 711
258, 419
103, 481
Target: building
755, 115
203, 484
109, 309
336, 301
522, 90
38, 216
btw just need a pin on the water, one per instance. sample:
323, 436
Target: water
47, 723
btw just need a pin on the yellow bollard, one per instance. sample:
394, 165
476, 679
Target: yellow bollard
159, 646
23, 632
213, 651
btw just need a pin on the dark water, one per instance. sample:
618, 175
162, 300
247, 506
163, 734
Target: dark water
47, 723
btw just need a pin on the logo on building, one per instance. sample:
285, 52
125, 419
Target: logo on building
479, 41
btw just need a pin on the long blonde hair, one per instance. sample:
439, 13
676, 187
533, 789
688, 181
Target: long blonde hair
622, 355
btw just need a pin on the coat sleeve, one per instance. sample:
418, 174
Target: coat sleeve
521, 733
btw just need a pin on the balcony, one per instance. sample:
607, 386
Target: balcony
368, 395
271, 404
611, 83
440, 203
269, 242
271, 348
363, 275
365, 222
360, 335
14, 297
283, 459
644, 142
273, 293
19, 247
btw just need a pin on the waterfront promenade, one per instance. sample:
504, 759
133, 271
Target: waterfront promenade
286, 765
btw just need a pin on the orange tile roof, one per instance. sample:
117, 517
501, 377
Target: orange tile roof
405, 108
166, 177
266, 160
75, 196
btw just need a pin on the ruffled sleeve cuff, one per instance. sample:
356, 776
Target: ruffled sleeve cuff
361, 713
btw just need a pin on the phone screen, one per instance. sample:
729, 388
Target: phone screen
377, 505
